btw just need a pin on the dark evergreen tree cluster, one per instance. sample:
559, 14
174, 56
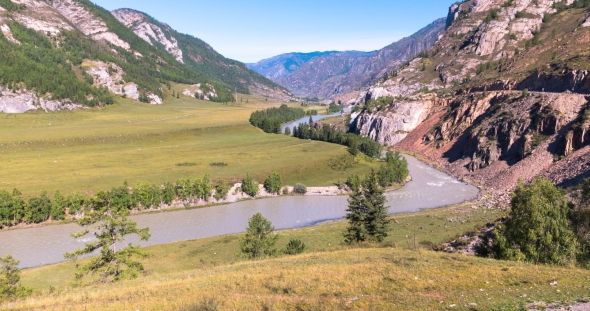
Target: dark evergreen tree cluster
270, 120
366, 213
331, 134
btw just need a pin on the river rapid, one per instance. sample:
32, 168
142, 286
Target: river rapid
429, 188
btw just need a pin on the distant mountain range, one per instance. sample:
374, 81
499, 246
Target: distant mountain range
327, 74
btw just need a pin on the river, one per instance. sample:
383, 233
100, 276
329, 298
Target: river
429, 188
315, 118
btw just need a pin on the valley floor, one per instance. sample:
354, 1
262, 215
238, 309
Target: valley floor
86, 151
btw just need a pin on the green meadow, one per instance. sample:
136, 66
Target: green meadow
88, 150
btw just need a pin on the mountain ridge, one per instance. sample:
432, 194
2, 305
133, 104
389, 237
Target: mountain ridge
500, 97
70, 51
330, 76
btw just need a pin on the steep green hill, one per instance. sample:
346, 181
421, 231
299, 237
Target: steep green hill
194, 53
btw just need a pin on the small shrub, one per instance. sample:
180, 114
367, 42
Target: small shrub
186, 164
218, 164
525, 93
295, 247
285, 191
249, 186
300, 189
205, 305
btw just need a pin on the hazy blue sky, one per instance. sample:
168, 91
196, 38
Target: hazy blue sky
249, 31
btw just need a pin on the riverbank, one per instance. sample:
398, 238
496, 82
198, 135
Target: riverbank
398, 274
234, 196
429, 188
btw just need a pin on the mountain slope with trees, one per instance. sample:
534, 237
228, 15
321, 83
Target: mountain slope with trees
198, 55
66, 53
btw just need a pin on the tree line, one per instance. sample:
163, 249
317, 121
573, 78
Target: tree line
271, 120
15, 209
331, 134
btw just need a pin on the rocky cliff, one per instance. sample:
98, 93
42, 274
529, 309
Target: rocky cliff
510, 83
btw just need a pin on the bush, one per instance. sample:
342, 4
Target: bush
537, 229
273, 183
295, 247
249, 186
300, 189
221, 189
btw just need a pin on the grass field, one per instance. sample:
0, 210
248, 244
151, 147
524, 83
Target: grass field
97, 149
190, 275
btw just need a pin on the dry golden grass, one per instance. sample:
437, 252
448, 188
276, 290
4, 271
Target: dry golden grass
350, 279
189, 275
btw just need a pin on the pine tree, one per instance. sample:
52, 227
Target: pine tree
110, 227
366, 213
10, 279
259, 239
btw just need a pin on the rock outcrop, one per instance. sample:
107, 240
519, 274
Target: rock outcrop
513, 91
392, 125
24, 100
86, 22
110, 75
139, 23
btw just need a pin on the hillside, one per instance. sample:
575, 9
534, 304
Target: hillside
198, 55
501, 95
66, 54
332, 74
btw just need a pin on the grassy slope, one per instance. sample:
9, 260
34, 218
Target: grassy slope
329, 276
90, 150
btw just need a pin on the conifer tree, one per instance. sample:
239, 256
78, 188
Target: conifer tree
366, 213
259, 239
110, 227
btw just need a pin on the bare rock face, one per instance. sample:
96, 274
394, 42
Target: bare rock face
39, 15
392, 125
110, 75
86, 22
8, 33
196, 89
23, 101
138, 22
